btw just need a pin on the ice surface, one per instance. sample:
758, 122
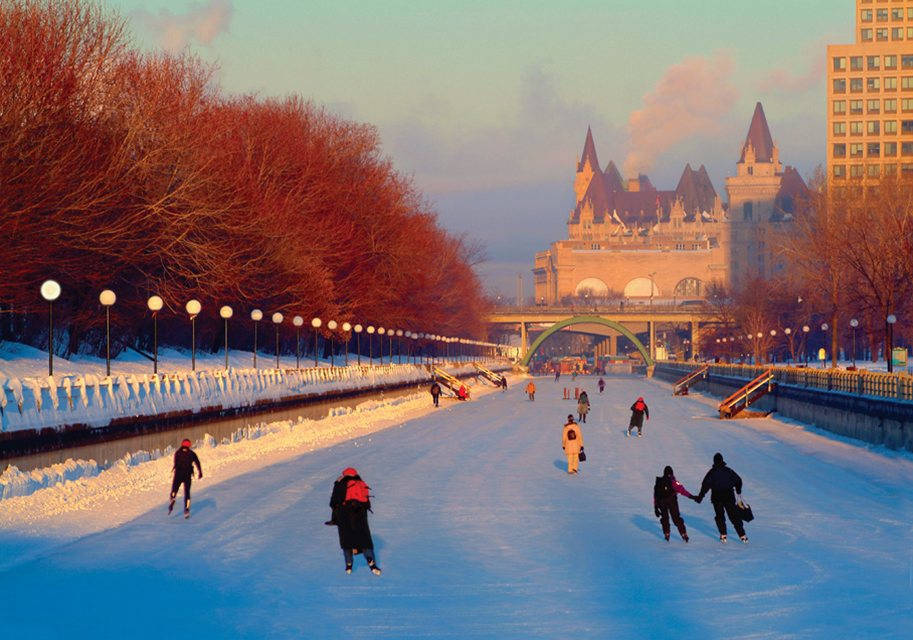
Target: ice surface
480, 532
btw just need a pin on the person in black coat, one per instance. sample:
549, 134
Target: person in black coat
350, 504
184, 459
725, 486
665, 502
638, 410
435, 392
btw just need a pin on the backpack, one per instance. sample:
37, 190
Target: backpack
663, 488
571, 434
357, 490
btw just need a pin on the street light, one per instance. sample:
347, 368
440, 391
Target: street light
107, 298
277, 320
891, 319
298, 321
370, 352
854, 323
805, 330
788, 333
358, 328
256, 315
316, 322
824, 328
331, 325
226, 312
50, 291
155, 305
193, 309
347, 328
380, 332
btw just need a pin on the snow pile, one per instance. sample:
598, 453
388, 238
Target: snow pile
14, 482
92, 400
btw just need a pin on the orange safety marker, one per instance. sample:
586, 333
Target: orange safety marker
576, 393
566, 396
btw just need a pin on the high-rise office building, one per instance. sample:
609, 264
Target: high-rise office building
870, 95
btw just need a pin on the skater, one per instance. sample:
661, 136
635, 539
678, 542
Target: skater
435, 392
503, 384
184, 459
350, 502
462, 393
665, 502
601, 385
531, 390
583, 406
725, 487
638, 410
557, 373
574, 375
572, 443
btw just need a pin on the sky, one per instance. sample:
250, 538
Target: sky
486, 103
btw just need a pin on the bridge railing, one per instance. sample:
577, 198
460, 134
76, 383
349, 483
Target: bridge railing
897, 386
627, 307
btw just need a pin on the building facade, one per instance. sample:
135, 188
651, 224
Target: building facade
870, 95
628, 239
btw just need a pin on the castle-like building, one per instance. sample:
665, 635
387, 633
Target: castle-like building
629, 238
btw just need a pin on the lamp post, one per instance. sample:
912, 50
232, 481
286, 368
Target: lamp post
297, 321
652, 287
380, 333
358, 329
791, 355
370, 352
256, 315
277, 320
331, 325
773, 334
891, 319
854, 323
226, 312
50, 291
347, 328
316, 322
107, 299
399, 345
805, 330
155, 305
824, 328
193, 309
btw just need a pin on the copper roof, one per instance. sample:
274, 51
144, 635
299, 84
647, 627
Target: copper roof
589, 153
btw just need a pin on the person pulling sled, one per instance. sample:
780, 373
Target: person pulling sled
350, 502
665, 502
184, 459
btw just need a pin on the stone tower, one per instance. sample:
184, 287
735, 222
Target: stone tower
587, 167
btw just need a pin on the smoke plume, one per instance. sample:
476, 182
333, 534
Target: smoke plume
689, 100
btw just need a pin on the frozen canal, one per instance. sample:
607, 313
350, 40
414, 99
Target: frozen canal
480, 533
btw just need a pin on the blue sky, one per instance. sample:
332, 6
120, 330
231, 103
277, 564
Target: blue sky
486, 104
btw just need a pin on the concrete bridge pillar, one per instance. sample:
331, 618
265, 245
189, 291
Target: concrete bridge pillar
524, 338
695, 338
652, 348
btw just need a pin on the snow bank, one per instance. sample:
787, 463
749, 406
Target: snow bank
92, 400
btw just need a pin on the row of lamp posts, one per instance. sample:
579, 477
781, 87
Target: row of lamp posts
50, 291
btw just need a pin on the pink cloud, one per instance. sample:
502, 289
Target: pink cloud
690, 100
784, 81
201, 23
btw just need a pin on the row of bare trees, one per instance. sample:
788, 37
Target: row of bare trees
848, 256
135, 172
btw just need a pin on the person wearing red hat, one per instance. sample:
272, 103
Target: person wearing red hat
638, 410
350, 503
184, 459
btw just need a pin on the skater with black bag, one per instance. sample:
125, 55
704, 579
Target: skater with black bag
725, 487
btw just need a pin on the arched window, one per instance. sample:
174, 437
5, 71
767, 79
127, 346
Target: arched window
690, 289
640, 288
595, 287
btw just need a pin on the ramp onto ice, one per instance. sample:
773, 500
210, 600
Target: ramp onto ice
681, 387
448, 381
739, 401
488, 374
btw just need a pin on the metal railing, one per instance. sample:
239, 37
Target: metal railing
897, 386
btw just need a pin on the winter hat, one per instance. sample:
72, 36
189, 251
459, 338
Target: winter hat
186, 443
640, 399
349, 471
570, 418
718, 458
668, 471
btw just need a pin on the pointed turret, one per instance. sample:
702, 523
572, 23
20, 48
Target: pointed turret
759, 138
612, 177
589, 154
